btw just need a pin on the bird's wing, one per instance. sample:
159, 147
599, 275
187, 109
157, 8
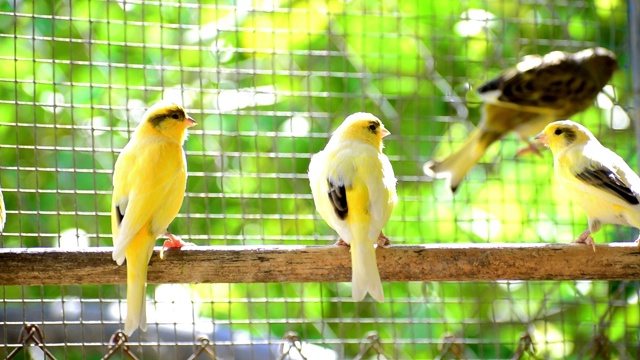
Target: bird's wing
557, 84
145, 181
331, 173
608, 180
124, 167
320, 188
338, 197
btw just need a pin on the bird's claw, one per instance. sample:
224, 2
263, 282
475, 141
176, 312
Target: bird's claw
341, 242
173, 242
532, 148
383, 240
585, 238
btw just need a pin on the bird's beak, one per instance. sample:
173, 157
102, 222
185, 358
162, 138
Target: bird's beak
384, 132
542, 138
190, 122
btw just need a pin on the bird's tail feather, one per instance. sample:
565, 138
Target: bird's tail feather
119, 251
365, 277
458, 164
138, 254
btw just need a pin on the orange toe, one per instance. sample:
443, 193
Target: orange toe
173, 242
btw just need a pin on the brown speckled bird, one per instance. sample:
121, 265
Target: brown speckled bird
538, 91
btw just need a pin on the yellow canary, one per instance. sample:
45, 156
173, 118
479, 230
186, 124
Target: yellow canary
594, 177
539, 90
149, 182
354, 190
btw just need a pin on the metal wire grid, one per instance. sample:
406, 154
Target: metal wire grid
267, 82
491, 325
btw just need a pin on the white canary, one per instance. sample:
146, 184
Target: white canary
354, 189
594, 177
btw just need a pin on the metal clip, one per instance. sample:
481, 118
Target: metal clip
601, 346
372, 342
206, 347
31, 333
291, 341
450, 345
525, 345
118, 342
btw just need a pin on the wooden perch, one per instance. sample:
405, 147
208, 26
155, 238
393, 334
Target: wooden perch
250, 264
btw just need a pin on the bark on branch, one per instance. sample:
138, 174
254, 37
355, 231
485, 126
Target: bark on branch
250, 264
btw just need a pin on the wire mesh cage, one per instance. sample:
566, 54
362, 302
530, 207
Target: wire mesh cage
267, 82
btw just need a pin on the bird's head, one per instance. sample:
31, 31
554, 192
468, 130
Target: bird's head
560, 135
168, 119
362, 127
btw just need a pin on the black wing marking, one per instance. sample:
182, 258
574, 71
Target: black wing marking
338, 197
495, 84
608, 180
565, 86
119, 214
552, 86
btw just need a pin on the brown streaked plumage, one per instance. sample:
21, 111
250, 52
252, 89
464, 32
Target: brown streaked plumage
538, 91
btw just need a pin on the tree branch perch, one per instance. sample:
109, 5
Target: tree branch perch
251, 264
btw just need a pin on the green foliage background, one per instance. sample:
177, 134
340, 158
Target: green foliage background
267, 82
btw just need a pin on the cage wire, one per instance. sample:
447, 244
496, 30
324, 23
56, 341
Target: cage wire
267, 82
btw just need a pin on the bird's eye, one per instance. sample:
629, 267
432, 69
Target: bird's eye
373, 127
558, 131
175, 116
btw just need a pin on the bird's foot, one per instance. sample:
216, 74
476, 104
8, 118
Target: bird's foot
341, 242
585, 238
383, 240
532, 148
173, 242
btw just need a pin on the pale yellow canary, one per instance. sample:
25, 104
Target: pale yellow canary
354, 190
149, 182
592, 176
539, 90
